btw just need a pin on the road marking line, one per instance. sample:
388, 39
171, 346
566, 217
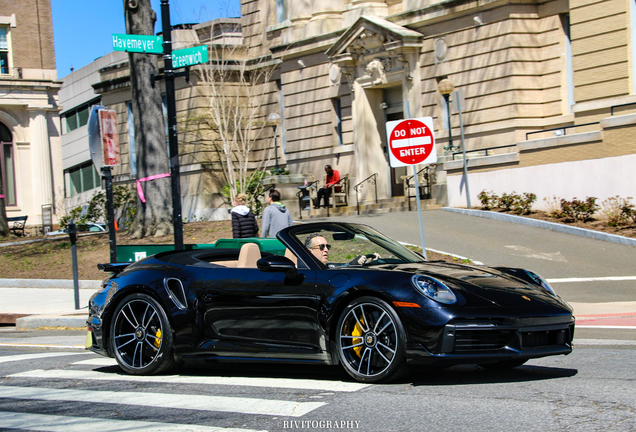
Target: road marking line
300, 384
270, 407
555, 256
605, 327
42, 346
22, 357
101, 361
593, 279
55, 423
603, 342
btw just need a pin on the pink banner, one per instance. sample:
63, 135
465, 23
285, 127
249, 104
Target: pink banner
152, 177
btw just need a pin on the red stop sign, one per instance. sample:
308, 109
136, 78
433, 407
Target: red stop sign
412, 142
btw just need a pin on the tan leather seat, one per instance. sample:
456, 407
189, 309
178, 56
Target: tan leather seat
249, 254
289, 254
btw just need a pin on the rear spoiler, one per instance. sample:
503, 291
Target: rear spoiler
114, 268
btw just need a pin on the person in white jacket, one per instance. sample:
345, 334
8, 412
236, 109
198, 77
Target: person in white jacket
275, 216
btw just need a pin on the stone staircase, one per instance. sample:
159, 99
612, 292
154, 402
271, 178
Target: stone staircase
395, 204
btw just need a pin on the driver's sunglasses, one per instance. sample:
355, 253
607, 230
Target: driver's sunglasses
321, 246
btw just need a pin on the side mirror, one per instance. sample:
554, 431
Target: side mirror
278, 264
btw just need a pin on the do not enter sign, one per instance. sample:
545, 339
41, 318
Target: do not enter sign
411, 142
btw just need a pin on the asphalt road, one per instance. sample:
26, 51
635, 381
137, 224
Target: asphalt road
551, 254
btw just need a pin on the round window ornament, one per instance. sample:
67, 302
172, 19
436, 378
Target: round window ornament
441, 49
334, 73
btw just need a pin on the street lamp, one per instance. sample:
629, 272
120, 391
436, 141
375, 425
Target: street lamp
446, 87
274, 120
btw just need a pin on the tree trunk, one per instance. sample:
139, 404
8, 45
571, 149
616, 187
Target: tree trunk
153, 217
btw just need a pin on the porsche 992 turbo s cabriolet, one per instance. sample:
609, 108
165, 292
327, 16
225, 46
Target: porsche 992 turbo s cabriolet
335, 293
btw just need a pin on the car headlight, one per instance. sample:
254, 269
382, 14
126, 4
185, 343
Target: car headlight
540, 281
434, 289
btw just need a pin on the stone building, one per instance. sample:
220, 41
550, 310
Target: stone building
548, 92
30, 149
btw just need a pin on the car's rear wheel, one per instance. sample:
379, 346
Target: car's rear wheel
141, 336
504, 364
371, 340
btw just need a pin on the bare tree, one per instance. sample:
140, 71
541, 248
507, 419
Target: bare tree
230, 127
154, 216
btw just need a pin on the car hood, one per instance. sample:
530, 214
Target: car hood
484, 286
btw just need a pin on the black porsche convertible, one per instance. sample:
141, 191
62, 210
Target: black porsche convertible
331, 293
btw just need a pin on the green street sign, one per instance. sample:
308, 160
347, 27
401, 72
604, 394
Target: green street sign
190, 56
138, 43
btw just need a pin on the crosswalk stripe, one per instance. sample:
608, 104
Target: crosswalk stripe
593, 279
55, 423
100, 361
22, 357
302, 384
269, 407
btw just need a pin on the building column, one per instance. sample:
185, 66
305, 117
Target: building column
41, 192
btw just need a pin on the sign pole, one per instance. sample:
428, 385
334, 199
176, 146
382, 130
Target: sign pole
172, 125
417, 191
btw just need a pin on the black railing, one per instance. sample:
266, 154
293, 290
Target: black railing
619, 106
373, 178
425, 188
563, 128
483, 150
304, 199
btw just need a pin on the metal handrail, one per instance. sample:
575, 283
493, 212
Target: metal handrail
372, 178
300, 195
618, 106
408, 185
485, 149
560, 128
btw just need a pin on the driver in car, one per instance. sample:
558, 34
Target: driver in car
319, 247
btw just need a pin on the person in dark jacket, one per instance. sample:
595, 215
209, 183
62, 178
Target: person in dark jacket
244, 223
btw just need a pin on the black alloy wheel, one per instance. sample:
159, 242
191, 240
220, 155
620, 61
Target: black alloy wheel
371, 340
141, 336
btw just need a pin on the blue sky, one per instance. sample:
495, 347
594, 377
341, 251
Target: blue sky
83, 28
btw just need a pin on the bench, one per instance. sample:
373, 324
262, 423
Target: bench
18, 224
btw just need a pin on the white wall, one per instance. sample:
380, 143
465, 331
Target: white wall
600, 178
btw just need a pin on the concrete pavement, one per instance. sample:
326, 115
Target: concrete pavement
596, 277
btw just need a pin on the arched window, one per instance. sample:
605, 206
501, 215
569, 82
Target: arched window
7, 166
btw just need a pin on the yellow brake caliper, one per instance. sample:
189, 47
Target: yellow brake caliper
357, 331
157, 338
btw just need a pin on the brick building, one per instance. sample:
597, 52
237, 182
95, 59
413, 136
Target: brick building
30, 146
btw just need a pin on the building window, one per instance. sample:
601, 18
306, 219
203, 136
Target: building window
565, 23
4, 50
281, 11
281, 103
337, 119
7, 166
132, 151
82, 178
78, 117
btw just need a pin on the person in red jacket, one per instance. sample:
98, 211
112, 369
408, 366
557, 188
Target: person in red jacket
332, 178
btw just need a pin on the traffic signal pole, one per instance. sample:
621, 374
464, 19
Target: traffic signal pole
169, 76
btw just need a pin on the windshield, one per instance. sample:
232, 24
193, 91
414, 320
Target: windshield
354, 245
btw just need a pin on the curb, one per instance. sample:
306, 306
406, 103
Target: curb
545, 225
49, 283
33, 322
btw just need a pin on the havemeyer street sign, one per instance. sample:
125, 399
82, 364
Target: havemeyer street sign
138, 43
189, 56
411, 142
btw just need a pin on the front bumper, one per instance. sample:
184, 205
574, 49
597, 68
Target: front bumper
483, 341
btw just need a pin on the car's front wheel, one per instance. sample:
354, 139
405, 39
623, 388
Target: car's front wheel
371, 340
141, 336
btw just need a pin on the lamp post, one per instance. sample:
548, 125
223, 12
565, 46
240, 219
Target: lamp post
446, 87
274, 120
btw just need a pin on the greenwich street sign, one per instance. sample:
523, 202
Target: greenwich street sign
190, 56
138, 43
